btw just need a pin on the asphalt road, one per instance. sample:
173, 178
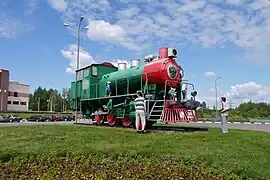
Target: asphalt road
33, 123
254, 127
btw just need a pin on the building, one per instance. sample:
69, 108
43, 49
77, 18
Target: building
4, 85
18, 96
14, 95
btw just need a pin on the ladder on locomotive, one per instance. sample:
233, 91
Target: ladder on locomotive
157, 110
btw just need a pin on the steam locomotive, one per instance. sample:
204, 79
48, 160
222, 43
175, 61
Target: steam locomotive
155, 78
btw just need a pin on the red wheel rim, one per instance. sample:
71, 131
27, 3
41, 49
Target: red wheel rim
99, 118
126, 121
111, 119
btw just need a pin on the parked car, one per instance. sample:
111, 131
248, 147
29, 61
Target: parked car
14, 118
37, 118
58, 118
4, 119
70, 118
54, 118
66, 118
48, 118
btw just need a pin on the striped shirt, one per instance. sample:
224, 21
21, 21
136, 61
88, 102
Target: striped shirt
140, 104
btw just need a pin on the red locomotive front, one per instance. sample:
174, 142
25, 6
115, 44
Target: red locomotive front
164, 69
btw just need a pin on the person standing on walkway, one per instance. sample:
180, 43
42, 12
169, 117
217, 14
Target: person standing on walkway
140, 109
108, 88
184, 90
224, 112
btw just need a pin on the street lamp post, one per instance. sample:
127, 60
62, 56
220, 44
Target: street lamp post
38, 102
49, 104
2, 91
216, 96
78, 59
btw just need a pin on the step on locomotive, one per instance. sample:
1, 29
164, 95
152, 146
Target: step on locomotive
160, 79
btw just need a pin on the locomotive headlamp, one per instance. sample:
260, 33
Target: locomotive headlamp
174, 52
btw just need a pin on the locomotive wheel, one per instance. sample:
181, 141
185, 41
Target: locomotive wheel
99, 118
111, 119
126, 121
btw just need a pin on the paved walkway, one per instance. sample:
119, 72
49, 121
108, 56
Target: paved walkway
243, 126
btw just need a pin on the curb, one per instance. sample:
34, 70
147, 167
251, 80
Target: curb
210, 122
198, 122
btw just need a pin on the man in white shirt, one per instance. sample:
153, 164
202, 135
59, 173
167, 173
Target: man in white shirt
184, 90
140, 110
224, 112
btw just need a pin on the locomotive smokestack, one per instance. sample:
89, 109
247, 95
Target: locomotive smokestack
163, 53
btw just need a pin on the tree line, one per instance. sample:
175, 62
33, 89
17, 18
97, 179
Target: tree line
43, 99
246, 110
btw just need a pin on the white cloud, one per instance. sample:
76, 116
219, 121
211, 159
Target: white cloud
31, 6
234, 2
100, 30
249, 91
239, 93
128, 13
104, 31
12, 26
85, 59
207, 23
71, 54
210, 74
59, 5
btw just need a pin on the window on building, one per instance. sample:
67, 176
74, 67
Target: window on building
9, 102
16, 102
86, 73
80, 75
23, 103
9, 93
85, 84
15, 94
94, 71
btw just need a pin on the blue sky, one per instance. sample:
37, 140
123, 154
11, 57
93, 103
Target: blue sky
214, 38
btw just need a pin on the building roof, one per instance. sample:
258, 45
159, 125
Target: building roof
4, 70
95, 64
18, 83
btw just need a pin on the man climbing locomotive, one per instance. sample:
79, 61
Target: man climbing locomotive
159, 80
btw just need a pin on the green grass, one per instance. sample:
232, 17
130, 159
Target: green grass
244, 153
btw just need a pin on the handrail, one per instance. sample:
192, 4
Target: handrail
151, 109
189, 84
164, 99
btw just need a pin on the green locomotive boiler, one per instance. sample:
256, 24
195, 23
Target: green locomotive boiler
155, 78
